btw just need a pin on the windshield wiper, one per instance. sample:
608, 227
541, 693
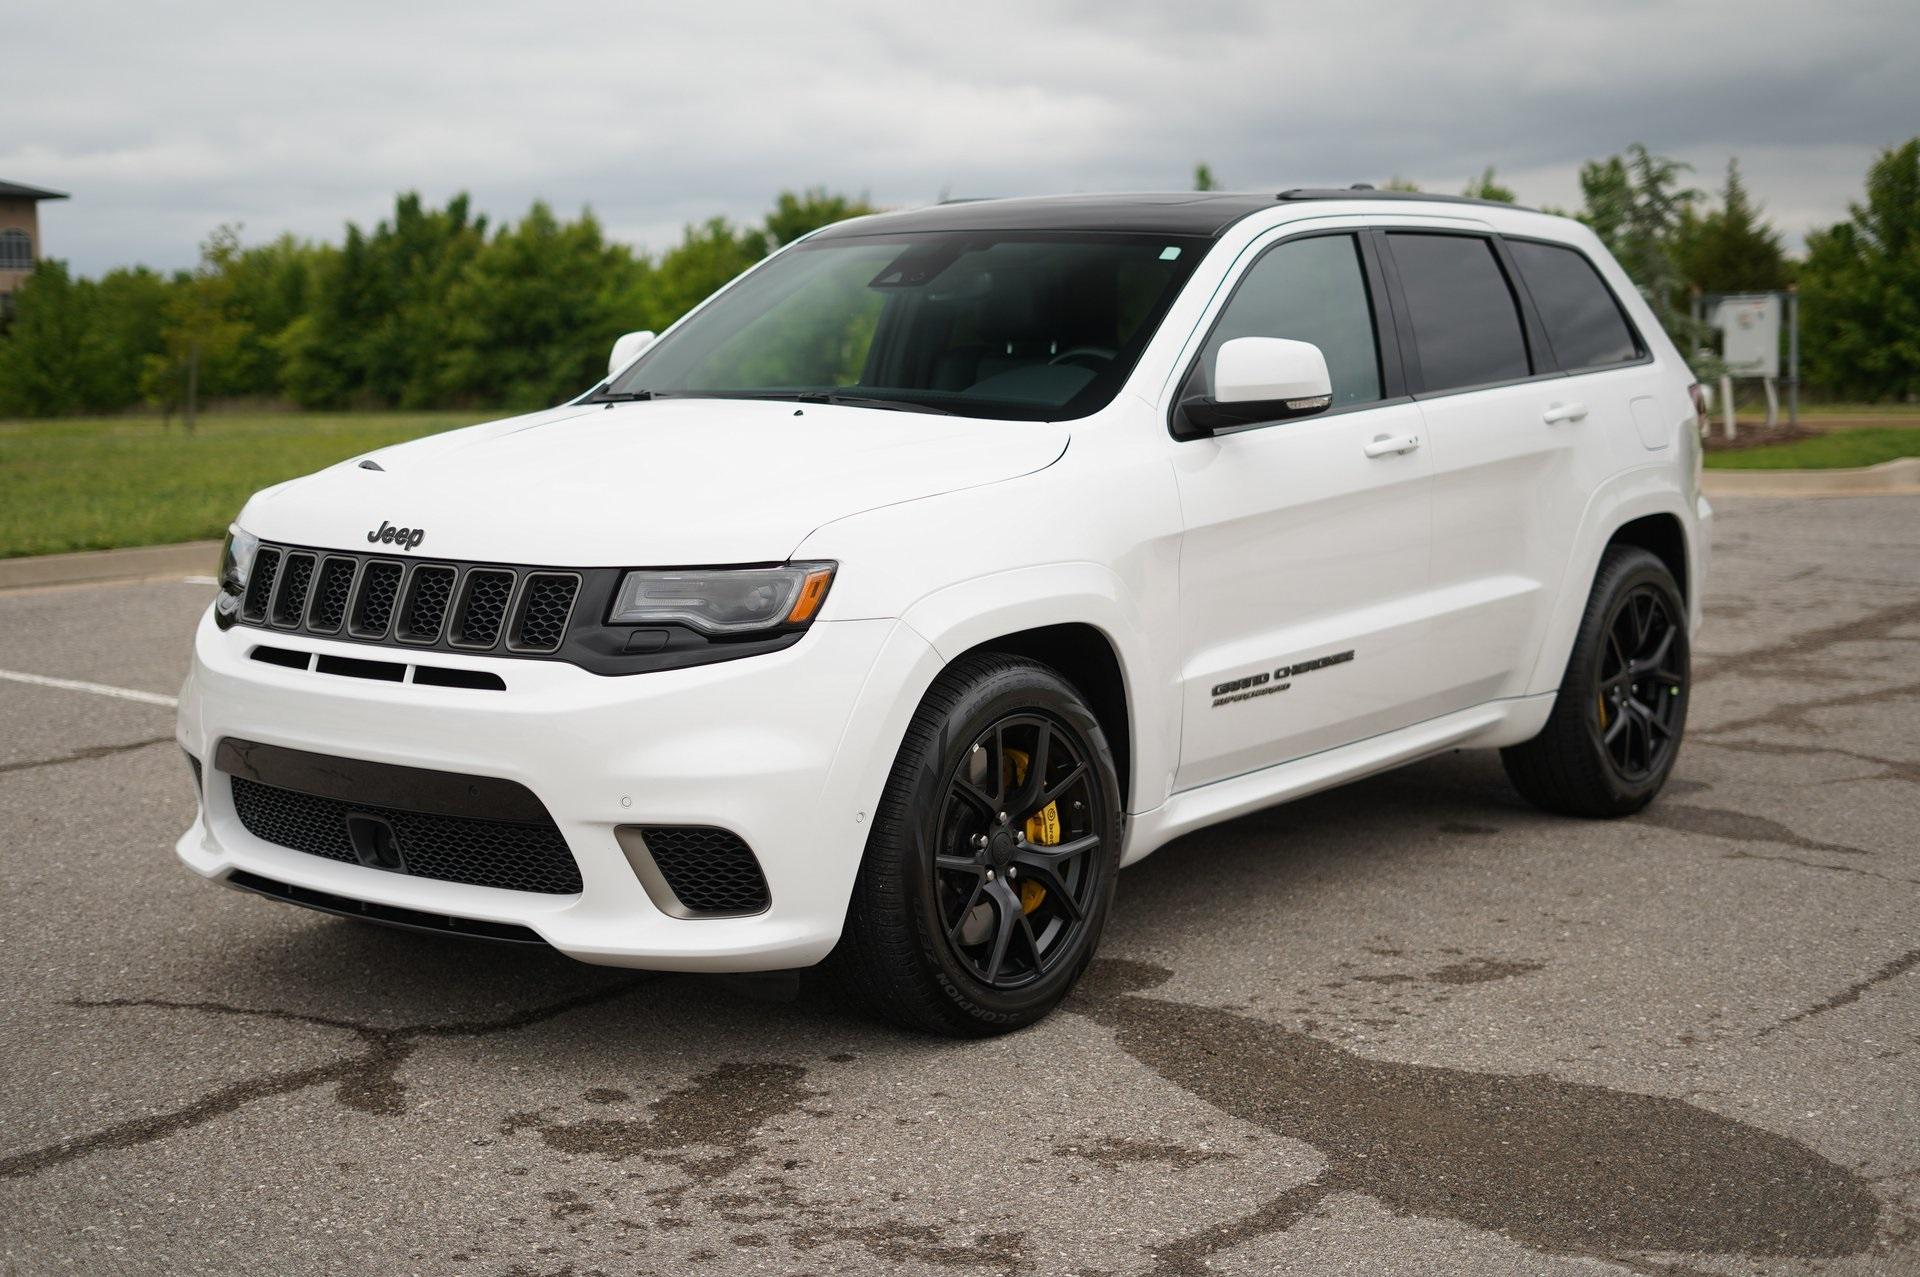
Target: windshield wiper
837, 400
621, 396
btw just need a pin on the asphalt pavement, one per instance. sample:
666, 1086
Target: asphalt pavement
1408, 1026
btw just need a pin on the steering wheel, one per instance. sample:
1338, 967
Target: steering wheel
1089, 357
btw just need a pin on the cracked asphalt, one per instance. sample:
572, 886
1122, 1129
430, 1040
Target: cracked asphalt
1409, 1026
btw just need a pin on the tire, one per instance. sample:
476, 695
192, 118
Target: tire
1618, 720
913, 947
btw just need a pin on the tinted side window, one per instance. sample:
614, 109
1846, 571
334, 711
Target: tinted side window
1582, 318
1465, 323
1307, 290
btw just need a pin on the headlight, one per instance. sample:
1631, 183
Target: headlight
236, 562
724, 600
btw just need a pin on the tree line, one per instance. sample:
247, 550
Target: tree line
433, 307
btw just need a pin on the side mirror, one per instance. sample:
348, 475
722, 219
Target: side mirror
627, 349
1260, 379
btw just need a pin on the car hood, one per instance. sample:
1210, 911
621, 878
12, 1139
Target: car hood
668, 483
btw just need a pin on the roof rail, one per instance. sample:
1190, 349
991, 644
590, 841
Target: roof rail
1365, 192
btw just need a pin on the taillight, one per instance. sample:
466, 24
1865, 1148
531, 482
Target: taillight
1699, 407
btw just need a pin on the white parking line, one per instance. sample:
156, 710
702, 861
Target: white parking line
98, 689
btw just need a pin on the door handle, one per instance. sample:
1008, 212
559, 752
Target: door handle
1392, 445
1559, 412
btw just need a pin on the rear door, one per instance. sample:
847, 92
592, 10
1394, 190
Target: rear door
1516, 449
1305, 548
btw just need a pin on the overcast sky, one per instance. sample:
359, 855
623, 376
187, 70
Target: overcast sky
166, 119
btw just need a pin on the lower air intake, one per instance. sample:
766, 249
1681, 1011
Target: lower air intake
710, 870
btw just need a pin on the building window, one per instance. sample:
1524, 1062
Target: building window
16, 250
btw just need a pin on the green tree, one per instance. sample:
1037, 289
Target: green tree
707, 256
1203, 179
1635, 204
796, 214
1398, 183
199, 331
42, 363
1860, 288
1486, 187
1731, 248
536, 311
378, 325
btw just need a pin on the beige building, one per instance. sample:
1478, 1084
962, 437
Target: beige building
19, 235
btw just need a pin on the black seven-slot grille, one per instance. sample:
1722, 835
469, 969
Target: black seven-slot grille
375, 599
456, 828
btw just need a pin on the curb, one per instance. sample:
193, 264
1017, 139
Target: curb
97, 567
1900, 477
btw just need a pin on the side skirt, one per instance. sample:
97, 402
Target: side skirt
1488, 726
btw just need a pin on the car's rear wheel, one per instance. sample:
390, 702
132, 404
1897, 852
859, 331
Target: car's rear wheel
1622, 708
990, 866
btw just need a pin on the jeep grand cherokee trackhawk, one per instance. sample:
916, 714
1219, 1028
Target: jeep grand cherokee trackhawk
949, 560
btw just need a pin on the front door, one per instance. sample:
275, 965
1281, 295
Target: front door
1306, 541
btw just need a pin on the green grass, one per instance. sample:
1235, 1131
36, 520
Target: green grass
95, 484
1866, 446
1858, 409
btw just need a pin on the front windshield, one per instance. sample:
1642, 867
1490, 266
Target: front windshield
1035, 326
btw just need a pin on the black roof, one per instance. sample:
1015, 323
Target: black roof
1178, 213
1204, 213
18, 191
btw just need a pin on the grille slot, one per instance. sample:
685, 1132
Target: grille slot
546, 603
428, 593
483, 608
373, 609
711, 870
483, 853
328, 609
290, 600
266, 571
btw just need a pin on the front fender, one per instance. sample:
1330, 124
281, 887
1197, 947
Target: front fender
966, 615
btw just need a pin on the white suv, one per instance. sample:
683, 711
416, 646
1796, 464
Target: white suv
949, 560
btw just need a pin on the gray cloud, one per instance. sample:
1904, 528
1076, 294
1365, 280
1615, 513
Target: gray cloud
166, 120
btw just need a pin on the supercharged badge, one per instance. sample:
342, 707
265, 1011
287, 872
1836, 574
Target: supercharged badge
1247, 688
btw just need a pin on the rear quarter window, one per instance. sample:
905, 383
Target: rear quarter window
1583, 319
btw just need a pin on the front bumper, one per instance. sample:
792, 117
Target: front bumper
788, 750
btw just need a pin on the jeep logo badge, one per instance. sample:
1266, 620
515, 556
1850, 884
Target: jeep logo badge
405, 538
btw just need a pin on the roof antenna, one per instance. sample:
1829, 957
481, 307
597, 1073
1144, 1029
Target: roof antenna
1361, 186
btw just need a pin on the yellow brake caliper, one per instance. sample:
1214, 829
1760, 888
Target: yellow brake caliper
1043, 829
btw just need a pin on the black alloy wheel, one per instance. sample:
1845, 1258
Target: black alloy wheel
1641, 683
1616, 725
1017, 862
990, 863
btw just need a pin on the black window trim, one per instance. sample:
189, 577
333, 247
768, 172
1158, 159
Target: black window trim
1643, 352
1386, 341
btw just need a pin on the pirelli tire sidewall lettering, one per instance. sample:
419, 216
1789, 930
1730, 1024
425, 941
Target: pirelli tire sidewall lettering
1266, 683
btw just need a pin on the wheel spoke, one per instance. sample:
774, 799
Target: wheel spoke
1053, 791
1040, 856
1619, 724
1057, 893
973, 898
1026, 799
1033, 941
1658, 658
957, 864
1008, 909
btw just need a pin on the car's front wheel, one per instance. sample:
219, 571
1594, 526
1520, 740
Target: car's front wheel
990, 865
